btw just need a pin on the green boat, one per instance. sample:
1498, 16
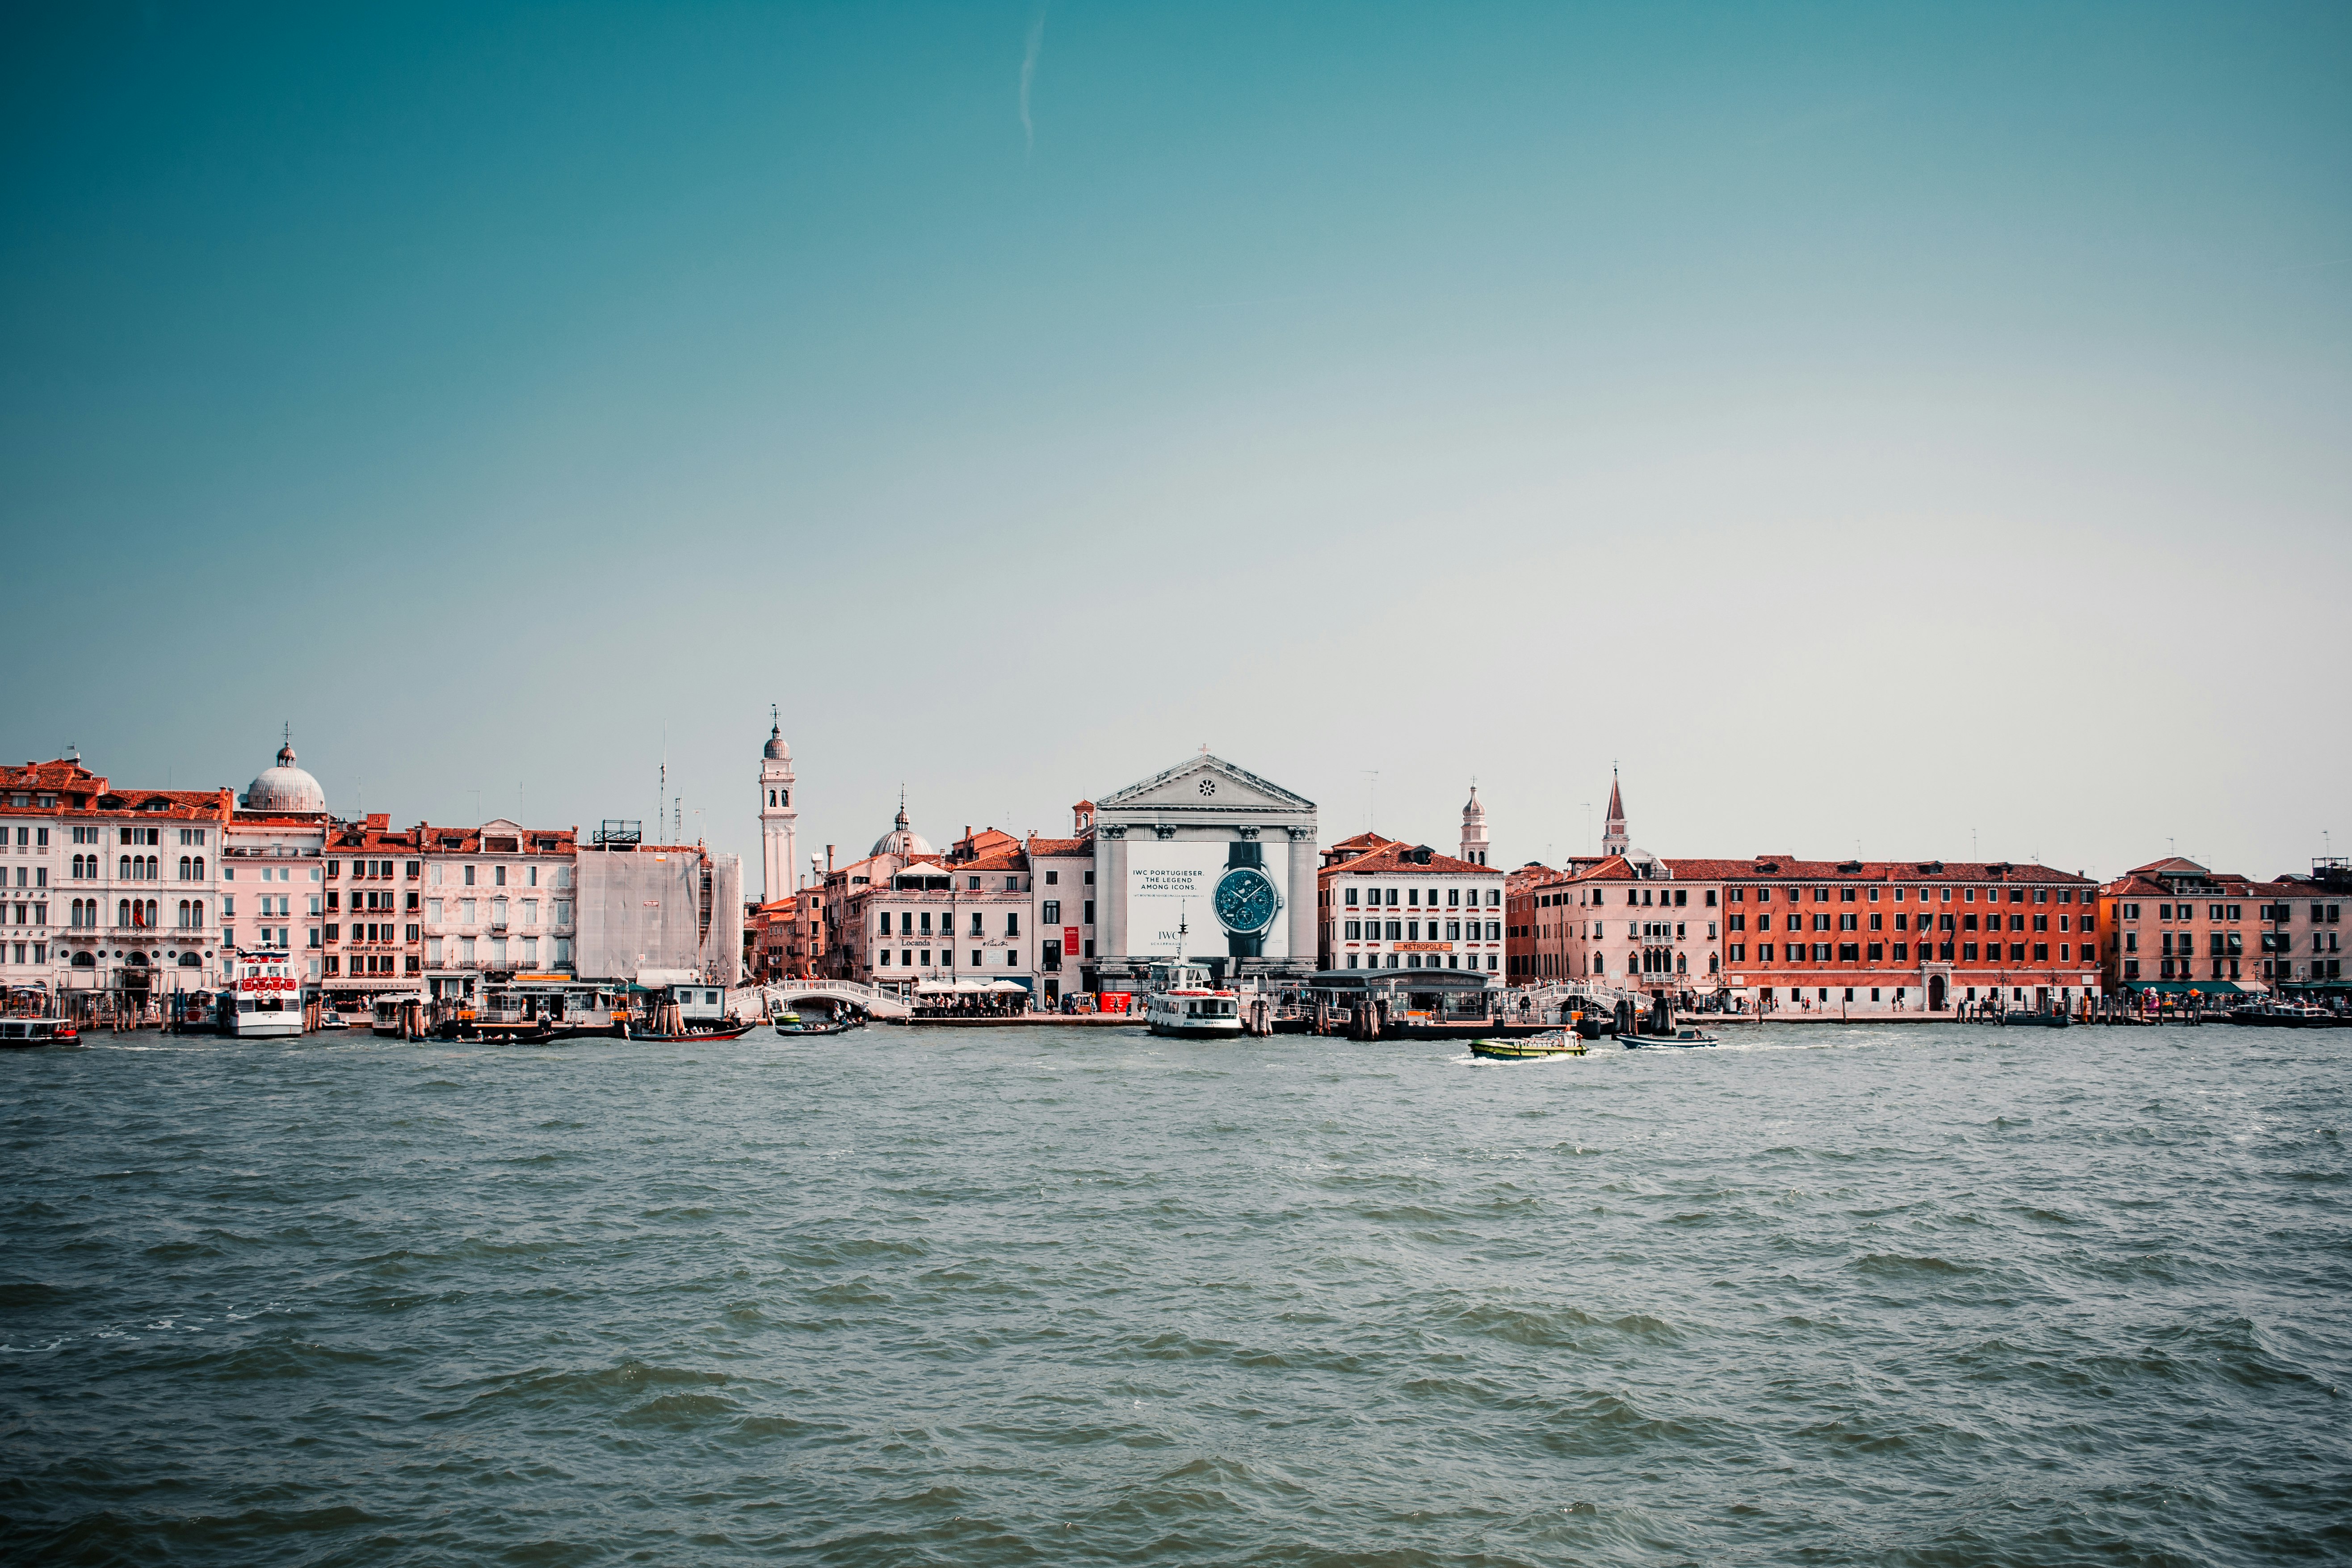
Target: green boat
1529, 1049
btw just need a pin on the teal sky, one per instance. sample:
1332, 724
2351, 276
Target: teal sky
1870, 426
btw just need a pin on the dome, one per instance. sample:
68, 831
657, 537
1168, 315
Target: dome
776, 747
285, 787
901, 840
1474, 809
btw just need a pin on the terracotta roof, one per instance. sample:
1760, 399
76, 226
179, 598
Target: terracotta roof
1390, 859
1618, 868
2176, 865
1616, 801
996, 860
1080, 847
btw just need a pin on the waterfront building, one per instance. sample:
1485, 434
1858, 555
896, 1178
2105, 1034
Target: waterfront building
788, 937
1849, 937
2173, 926
906, 915
1062, 880
372, 916
498, 900
1209, 860
656, 906
1387, 905
107, 889
1627, 920
779, 818
273, 872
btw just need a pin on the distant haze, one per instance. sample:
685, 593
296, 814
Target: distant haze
1870, 429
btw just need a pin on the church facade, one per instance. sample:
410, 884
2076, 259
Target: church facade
1209, 862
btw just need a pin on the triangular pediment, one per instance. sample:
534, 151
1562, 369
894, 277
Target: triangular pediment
1206, 782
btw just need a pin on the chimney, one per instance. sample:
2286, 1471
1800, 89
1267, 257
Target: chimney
828, 858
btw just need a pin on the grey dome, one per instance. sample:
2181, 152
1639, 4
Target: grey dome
776, 747
285, 787
901, 840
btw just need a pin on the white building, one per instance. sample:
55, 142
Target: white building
1386, 905
107, 889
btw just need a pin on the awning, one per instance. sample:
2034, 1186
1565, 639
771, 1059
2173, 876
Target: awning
2202, 987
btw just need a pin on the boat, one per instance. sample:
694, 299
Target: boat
25, 1033
1593, 1026
2031, 1018
727, 1032
1530, 1048
1184, 1003
1679, 1038
268, 996
791, 1021
328, 1018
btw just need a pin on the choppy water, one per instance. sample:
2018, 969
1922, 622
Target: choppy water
1894, 1295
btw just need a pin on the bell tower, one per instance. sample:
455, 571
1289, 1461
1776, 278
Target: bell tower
1613, 840
778, 818
1474, 830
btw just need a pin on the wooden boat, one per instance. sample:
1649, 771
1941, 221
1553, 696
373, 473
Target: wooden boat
728, 1032
1530, 1048
795, 1028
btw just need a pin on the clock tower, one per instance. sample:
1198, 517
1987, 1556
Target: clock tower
779, 818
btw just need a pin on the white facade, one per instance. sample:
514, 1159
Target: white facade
779, 819
1407, 907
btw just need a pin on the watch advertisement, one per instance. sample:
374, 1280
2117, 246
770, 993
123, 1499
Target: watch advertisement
1219, 901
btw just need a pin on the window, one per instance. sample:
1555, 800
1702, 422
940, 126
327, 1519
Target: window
498, 875
1351, 898
1051, 911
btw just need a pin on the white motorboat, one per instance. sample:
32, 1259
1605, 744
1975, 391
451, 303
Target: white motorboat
1186, 1004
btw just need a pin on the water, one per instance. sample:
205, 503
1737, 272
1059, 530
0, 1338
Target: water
1868, 1295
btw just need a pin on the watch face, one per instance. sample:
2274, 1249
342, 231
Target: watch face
1245, 900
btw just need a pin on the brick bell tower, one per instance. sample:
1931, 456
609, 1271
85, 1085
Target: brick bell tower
779, 818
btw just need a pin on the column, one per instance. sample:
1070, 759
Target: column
1111, 893
1302, 895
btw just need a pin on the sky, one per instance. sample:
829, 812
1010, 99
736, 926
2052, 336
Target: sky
1878, 430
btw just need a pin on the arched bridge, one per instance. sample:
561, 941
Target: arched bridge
873, 1001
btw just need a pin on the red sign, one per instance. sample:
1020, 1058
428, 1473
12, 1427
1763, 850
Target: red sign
1070, 940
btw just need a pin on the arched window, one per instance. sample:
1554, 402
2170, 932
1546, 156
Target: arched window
183, 867
197, 906
122, 868
1682, 964
788, 798
200, 868
1713, 963
151, 913
154, 867
84, 961
121, 911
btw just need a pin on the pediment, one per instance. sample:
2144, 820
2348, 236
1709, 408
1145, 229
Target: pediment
1205, 784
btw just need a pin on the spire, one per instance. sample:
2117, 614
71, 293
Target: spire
1473, 830
1613, 838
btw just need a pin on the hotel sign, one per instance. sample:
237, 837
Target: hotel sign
1425, 947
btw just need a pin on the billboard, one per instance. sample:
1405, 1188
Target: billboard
1197, 884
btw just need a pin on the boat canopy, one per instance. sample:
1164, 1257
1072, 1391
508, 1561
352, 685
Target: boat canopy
2199, 987
661, 979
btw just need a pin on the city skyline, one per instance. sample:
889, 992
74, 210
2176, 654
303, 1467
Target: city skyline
1881, 435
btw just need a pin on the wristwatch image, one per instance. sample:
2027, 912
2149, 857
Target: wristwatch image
1246, 901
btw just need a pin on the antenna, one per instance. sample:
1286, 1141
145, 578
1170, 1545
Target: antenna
1371, 798
1588, 824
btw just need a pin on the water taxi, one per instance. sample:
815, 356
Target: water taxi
262, 998
1677, 1037
1530, 1048
23, 1034
1185, 1003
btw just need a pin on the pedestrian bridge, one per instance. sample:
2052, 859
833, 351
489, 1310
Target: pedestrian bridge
872, 1000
